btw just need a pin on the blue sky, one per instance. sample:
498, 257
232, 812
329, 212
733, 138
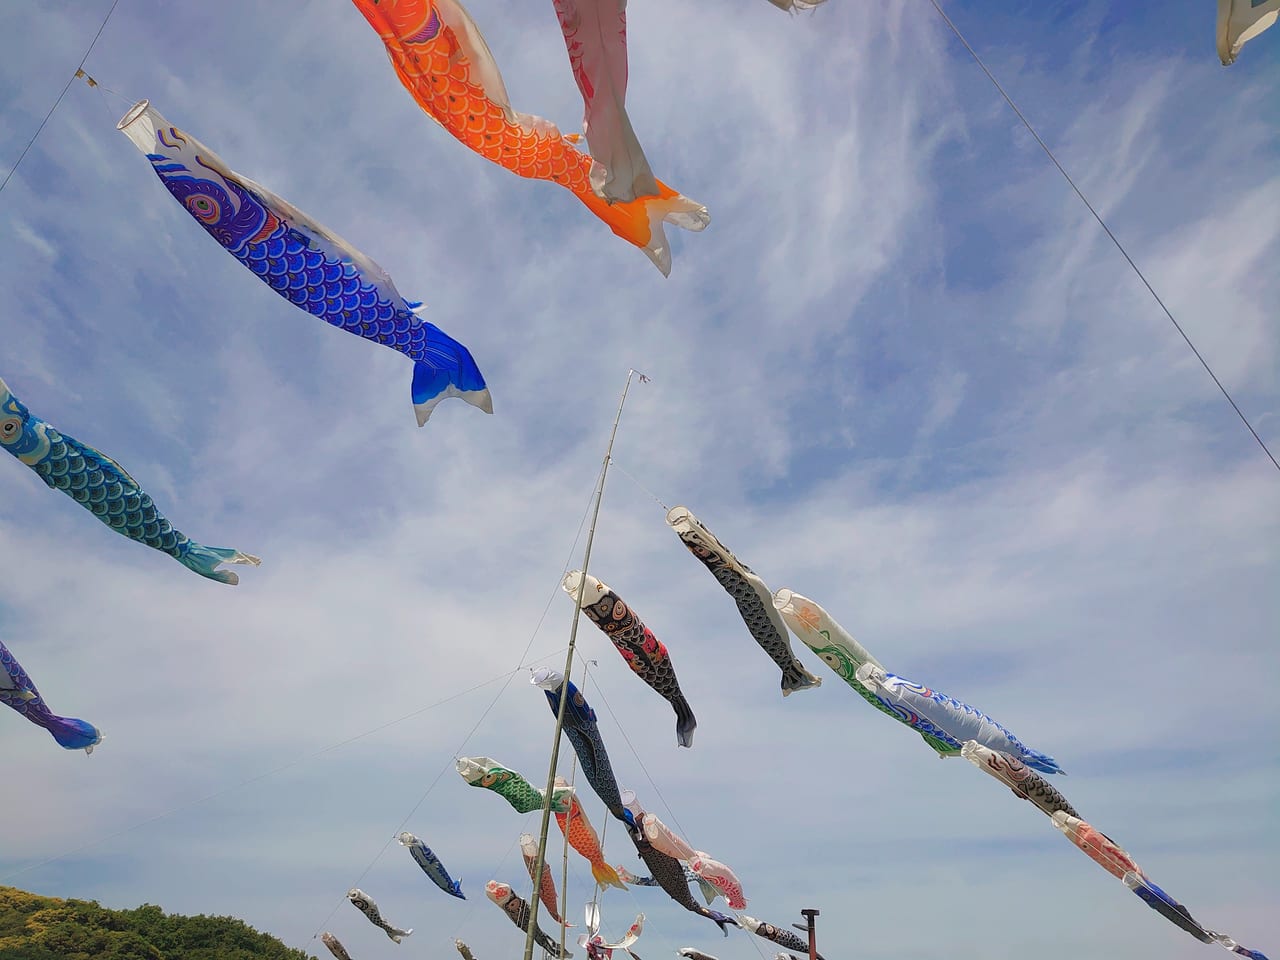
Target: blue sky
902, 373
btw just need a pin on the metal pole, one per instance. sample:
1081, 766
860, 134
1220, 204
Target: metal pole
541, 860
813, 937
564, 871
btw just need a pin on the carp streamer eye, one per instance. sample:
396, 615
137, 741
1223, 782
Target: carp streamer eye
10, 427
204, 208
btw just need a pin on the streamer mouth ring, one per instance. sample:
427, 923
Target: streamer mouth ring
137, 110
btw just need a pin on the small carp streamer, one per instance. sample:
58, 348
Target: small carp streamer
581, 729
1106, 853
431, 865
335, 946
517, 909
691, 954
749, 592
364, 903
948, 718
439, 55
600, 949
644, 653
305, 262
547, 886
101, 486
463, 949
783, 938
19, 692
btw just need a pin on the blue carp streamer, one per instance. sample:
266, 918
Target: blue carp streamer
101, 486
305, 262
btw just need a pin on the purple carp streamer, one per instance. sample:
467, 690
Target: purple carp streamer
595, 35
306, 263
751, 595
644, 653
19, 692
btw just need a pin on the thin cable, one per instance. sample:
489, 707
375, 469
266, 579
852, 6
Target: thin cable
74, 77
476, 726
257, 777
564, 871
666, 806
651, 494
568, 662
1106, 229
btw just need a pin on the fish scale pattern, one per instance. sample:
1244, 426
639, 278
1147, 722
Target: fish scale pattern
102, 487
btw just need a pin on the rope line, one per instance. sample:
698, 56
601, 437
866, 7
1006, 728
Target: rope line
77, 75
476, 726
1106, 229
631, 476
666, 806
256, 778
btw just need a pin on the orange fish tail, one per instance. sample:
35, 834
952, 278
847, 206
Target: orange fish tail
606, 876
640, 221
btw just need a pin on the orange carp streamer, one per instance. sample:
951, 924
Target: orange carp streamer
441, 58
583, 837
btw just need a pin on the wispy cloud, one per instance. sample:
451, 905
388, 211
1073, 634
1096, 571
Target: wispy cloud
901, 372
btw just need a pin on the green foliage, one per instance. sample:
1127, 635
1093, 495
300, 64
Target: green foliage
44, 928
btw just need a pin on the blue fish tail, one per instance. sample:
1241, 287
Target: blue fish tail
451, 372
457, 890
73, 734
722, 921
1042, 762
205, 560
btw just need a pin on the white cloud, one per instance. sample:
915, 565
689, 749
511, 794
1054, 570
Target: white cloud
901, 372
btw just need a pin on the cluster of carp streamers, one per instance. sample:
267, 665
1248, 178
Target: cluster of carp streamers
441, 58
948, 726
